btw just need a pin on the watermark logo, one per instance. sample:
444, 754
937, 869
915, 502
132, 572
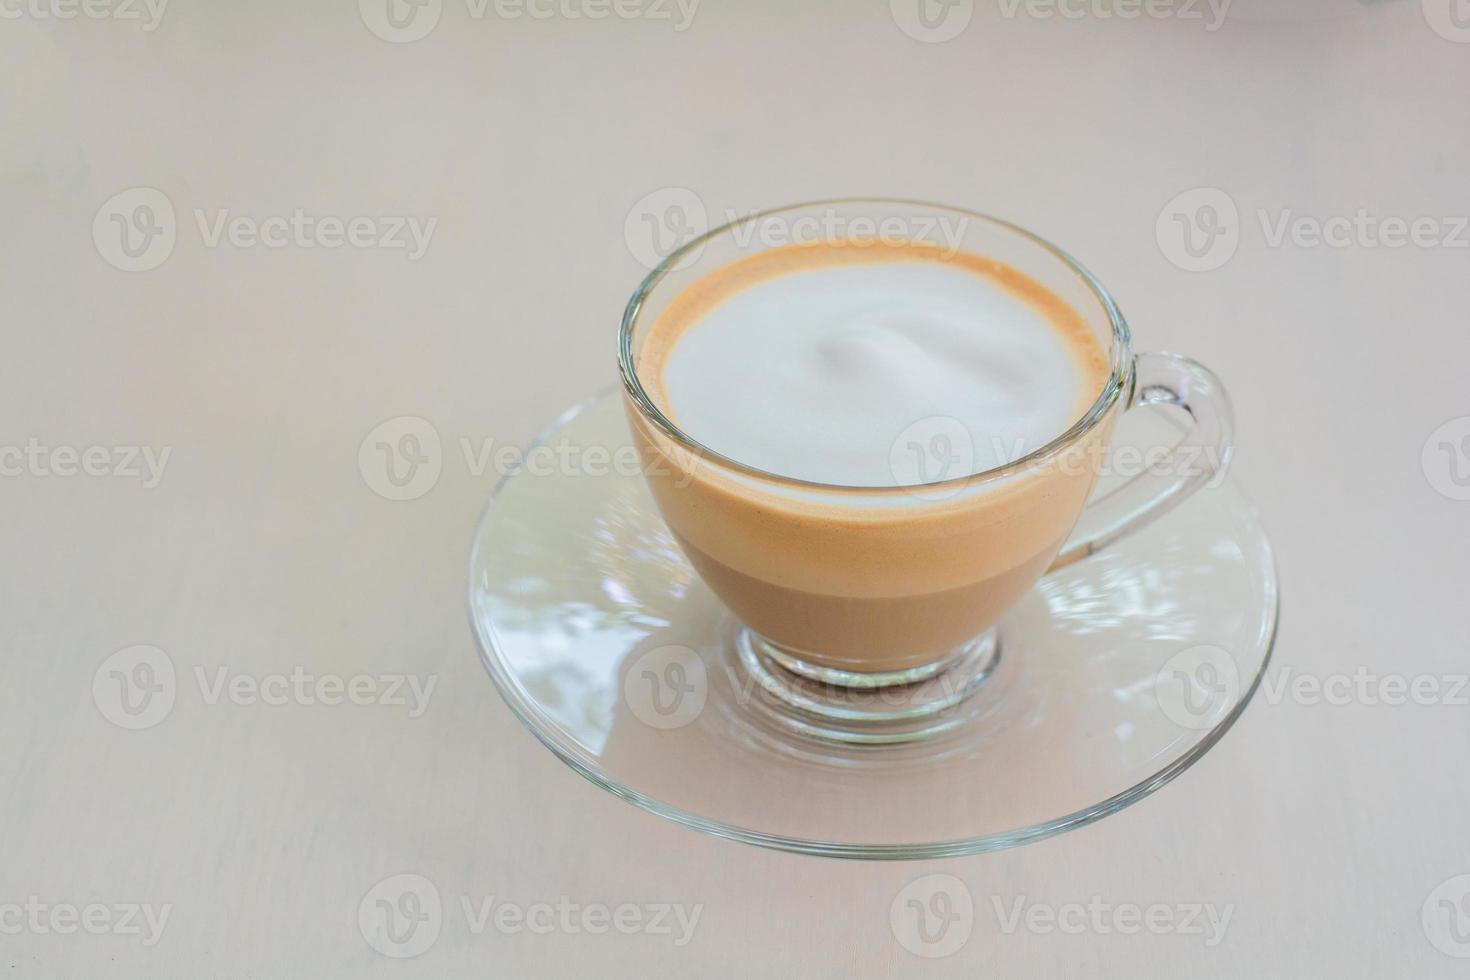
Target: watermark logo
1362, 229
300, 229
666, 687
1446, 459
1367, 688
932, 450
135, 687
933, 916
1450, 19
401, 916
932, 21
1197, 686
572, 918
940, 448
401, 459
838, 226
663, 221
400, 21
148, 12
566, 458
1211, 12
1102, 918
679, 12
1199, 230
42, 461
40, 918
303, 687
1446, 917
135, 230
405, 21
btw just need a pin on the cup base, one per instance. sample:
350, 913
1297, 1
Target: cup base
860, 708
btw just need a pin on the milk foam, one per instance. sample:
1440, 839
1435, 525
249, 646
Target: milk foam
833, 372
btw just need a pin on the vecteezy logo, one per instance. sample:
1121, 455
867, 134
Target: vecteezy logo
932, 450
662, 221
1446, 917
932, 21
1195, 687
400, 21
401, 915
135, 230
401, 458
135, 687
932, 916
666, 688
1450, 19
1446, 459
1199, 229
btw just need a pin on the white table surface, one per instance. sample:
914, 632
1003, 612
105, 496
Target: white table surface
262, 550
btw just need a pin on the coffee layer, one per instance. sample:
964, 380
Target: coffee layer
871, 578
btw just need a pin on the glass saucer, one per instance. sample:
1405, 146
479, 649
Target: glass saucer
1110, 678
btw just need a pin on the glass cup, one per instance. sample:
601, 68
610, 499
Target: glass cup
870, 587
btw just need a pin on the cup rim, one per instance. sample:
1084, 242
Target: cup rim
1118, 378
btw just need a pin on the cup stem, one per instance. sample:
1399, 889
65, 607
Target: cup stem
856, 679
863, 708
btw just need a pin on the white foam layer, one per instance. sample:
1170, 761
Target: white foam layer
874, 375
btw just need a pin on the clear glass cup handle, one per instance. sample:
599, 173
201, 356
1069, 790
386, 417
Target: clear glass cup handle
1204, 453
